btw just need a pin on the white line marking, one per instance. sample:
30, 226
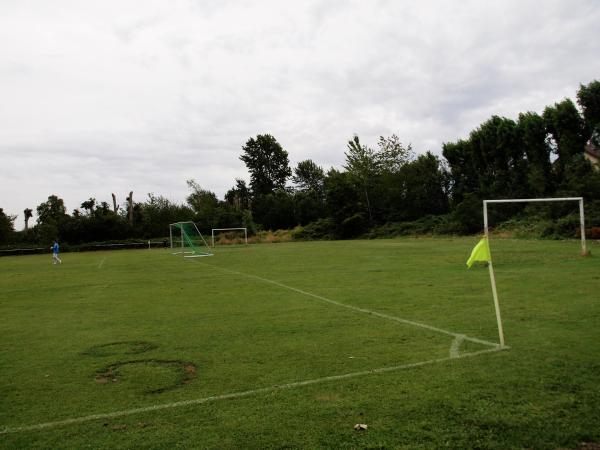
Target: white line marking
199, 401
101, 263
455, 347
362, 310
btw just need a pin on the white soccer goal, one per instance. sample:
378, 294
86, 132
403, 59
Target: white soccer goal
524, 200
187, 240
487, 236
229, 230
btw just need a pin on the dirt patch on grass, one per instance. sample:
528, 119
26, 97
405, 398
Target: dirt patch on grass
120, 348
186, 371
190, 368
589, 446
585, 446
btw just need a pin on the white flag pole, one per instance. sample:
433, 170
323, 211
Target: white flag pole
492, 277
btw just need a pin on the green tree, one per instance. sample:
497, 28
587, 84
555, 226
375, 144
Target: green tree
275, 210
267, 163
588, 98
204, 203
308, 176
532, 135
52, 211
343, 198
567, 131
52, 220
6, 227
89, 205
463, 170
491, 163
155, 215
239, 196
362, 165
392, 155
425, 187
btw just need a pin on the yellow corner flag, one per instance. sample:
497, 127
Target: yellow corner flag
481, 252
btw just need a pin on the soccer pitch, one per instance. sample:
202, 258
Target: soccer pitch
291, 345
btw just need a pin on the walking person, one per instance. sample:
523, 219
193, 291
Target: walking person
55, 258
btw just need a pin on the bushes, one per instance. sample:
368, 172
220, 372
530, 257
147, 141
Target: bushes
322, 229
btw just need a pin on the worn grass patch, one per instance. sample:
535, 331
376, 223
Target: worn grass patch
120, 348
156, 375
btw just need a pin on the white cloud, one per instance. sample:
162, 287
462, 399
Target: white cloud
113, 96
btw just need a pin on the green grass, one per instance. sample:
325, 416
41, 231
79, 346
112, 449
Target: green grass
116, 331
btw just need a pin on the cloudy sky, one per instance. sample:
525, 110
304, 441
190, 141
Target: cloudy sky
118, 95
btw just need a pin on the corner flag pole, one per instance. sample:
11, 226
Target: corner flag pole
492, 277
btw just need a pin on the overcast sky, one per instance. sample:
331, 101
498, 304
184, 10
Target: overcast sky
118, 95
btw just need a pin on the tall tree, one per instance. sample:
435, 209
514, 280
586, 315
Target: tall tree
239, 195
392, 154
567, 131
89, 205
463, 170
6, 226
204, 203
532, 135
51, 211
51, 218
344, 199
309, 177
588, 98
363, 166
267, 163
425, 187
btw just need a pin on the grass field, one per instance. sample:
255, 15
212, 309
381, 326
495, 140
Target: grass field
291, 345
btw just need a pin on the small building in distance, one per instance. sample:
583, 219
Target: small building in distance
592, 154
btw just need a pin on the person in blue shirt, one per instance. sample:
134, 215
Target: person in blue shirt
55, 258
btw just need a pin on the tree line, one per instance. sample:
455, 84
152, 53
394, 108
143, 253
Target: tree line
385, 188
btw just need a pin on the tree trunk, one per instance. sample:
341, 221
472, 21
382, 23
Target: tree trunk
115, 207
130, 200
368, 205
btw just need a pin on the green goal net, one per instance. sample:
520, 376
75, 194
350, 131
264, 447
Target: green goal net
187, 240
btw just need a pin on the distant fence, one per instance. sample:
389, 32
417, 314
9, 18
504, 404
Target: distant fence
85, 248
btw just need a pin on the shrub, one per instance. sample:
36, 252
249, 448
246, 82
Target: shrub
322, 229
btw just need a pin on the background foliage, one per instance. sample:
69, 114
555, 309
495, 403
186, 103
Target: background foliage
380, 191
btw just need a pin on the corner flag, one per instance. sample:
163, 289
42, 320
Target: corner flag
481, 252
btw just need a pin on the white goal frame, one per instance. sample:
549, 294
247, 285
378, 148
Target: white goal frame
487, 238
524, 200
191, 254
229, 229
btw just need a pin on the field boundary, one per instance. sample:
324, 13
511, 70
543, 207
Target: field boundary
459, 336
235, 395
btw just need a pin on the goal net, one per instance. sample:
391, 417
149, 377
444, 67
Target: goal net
187, 240
225, 236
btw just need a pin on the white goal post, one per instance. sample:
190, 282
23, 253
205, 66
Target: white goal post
229, 229
188, 238
487, 238
524, 200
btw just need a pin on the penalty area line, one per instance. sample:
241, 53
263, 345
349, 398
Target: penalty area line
362, 310
234, 395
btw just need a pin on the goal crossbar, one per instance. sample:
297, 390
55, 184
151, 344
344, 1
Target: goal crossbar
487, 235
526, 200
